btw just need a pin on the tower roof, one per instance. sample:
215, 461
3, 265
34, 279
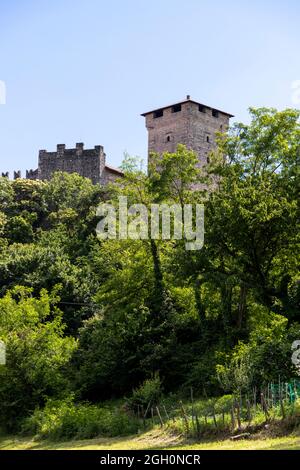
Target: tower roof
188, 99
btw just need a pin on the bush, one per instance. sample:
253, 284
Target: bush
37, 353
265, 357
224, 404
149, 392
63, 419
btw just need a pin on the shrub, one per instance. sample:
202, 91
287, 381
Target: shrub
149, 392
64, 419
37, 352
265, 357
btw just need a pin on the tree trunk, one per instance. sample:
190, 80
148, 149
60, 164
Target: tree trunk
158, 277
242, 306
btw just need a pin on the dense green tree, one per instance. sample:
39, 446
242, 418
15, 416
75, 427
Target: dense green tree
36, 353
148, 307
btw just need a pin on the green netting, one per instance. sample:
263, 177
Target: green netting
285, 390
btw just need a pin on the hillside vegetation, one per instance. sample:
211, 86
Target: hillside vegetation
106, 333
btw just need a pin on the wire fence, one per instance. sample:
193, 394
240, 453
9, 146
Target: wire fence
240, 411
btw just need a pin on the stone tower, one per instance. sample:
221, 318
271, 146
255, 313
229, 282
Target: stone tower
90, 163
187, 122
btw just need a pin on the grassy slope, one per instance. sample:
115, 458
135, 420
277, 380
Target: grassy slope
154, 439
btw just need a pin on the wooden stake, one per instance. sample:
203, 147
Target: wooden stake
147, 409
249, 417
166, 413
238, 414
159, 415
214, 417
185, 417
232, 418
193, 411
264, 405
198, 426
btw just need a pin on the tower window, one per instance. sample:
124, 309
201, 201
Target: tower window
168, 139
207, 138
202, 108
215, 113
176, 108
159, 113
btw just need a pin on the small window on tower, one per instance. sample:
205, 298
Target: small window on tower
202, 108
207, 138
169, 138
176, 108
215, 113
159, 113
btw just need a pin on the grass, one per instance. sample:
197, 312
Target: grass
66, 425
154, 439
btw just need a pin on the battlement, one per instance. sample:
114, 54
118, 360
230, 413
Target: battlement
90, 163
32, 174
86, 162
186, 122
16, 175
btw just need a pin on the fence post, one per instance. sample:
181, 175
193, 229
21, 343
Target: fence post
147, 409
238, 413
264, 405
254, 400
282, 406
152, 415
272, 396
232, 418
214, 417
143, 416
198, 426
166, 413
159, 415
249, 412
295, 390
185, 417
193, 411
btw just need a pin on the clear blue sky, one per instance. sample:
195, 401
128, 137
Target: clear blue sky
85, 70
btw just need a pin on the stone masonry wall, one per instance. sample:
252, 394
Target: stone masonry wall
88, 163
190, 126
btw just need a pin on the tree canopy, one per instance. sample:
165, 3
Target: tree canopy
98, 317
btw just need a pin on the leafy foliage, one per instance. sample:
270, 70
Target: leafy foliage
36, 352
62, 419
220, 319
148, 394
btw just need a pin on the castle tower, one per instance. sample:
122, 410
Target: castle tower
187, 122
90, 163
